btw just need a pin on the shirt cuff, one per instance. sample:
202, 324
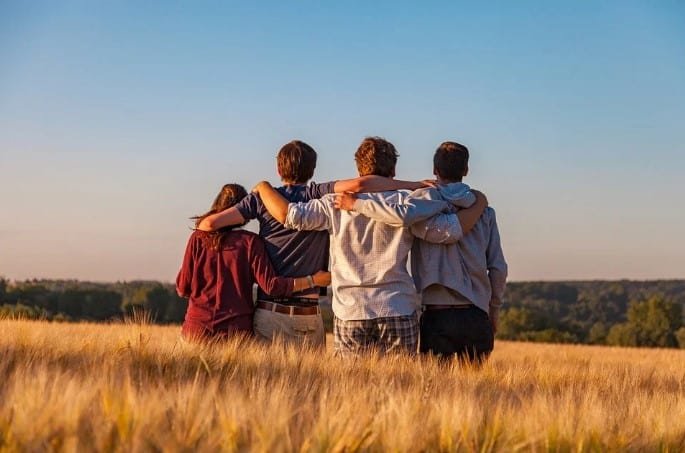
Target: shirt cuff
293, 217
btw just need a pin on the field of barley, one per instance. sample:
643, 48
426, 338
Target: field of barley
137, 387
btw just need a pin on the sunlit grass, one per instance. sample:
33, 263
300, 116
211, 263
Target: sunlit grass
137, 387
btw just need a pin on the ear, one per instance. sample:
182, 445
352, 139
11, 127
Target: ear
466, 171
435, 172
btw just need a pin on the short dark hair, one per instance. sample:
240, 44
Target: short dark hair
376, 156
451, 160
296, 162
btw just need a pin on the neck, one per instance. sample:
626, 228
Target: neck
447, 181
290, 183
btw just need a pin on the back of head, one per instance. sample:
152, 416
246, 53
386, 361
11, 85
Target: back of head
451, 161
229, 196
376, 156
296, 162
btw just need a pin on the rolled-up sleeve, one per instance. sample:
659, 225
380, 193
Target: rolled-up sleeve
439, 229
309, 216
403, 214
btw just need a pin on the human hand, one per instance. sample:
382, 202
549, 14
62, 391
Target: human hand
433, 183
480, 198
494, 323
345, 201
322, 278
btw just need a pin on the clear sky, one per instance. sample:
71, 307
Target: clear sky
119, 120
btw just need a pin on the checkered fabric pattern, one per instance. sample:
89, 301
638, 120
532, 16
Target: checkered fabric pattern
384, 335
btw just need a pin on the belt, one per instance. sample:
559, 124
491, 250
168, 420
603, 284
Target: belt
299, 301
448, 307
288, 309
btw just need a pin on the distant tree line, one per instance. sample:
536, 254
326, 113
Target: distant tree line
72, 300
621, 313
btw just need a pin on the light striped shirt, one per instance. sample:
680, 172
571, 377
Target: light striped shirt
472, 270
369, 258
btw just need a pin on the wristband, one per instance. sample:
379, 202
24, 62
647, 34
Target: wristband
311, 281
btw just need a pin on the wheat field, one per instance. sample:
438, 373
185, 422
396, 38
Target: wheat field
137, 387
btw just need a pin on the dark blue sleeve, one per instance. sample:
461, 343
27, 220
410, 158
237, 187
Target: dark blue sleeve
315, 191
249, 206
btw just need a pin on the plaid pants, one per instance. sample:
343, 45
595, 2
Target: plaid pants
383, 335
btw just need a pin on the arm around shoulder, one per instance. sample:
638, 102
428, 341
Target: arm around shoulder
228, 217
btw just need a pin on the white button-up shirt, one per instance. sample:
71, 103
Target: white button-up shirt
369, 258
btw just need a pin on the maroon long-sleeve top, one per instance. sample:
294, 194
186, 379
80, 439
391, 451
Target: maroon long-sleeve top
218, 283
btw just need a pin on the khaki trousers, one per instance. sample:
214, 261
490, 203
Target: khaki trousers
291, 329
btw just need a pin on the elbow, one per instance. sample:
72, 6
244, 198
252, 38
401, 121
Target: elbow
207, 224
359, 186
182, 293
276, 290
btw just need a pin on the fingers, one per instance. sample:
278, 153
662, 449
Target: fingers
322, 278
344, 201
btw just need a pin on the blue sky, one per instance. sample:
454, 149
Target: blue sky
119, 121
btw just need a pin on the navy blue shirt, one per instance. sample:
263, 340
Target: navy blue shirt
293, 253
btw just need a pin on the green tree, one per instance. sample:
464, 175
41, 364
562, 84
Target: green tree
3, 288
622, 334
514, 321
158, 301
652, 322
656, 321
597, 334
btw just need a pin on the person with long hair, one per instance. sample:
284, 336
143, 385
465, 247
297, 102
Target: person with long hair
218, 271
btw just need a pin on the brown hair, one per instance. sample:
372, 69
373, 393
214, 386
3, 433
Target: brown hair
296, 162
376, 156
451, 161
229, 196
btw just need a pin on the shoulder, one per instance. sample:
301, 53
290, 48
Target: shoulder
197, 235
321, 189
249, 205
426, 193
489, 215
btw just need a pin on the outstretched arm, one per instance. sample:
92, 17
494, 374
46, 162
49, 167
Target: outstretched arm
424, 216
374, 183
450, 228
296, 216
228, 217
395, 214
273, 201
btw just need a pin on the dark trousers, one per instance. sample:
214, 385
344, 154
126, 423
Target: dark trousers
465, 333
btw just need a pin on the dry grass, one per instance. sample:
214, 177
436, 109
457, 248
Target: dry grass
68, 387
